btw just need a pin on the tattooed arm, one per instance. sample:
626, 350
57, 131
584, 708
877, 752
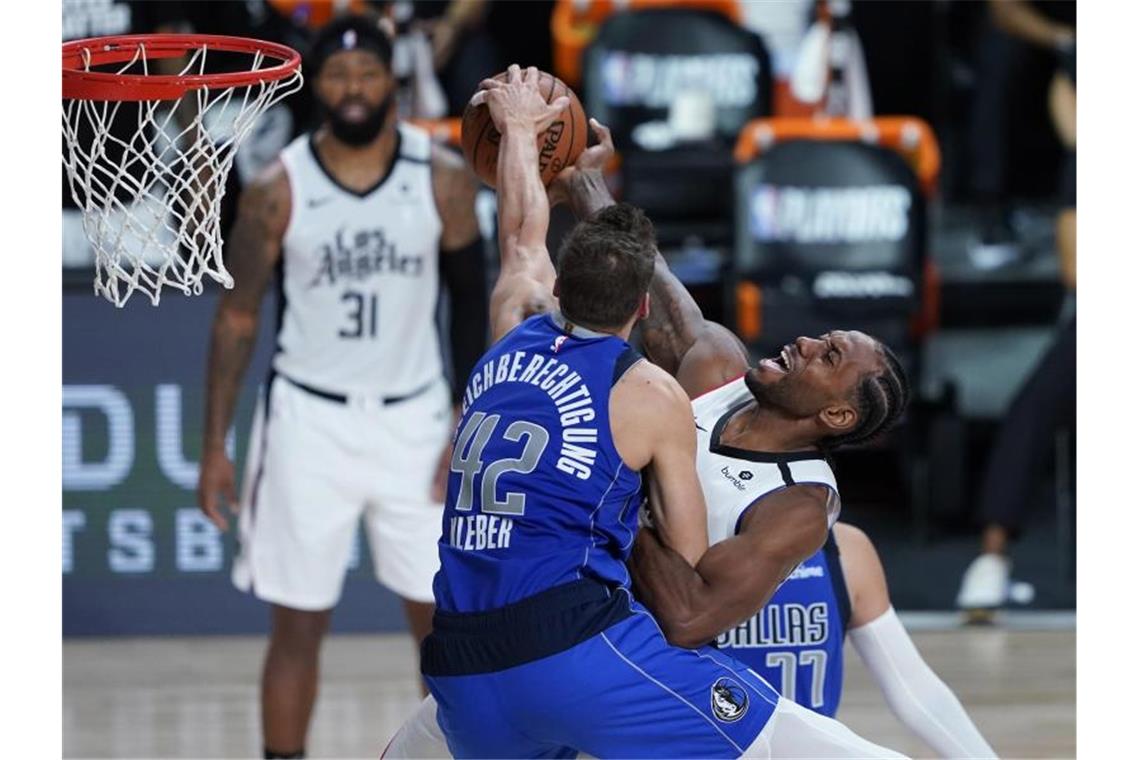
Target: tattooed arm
676, 336
462, 265
254, 249
463, 270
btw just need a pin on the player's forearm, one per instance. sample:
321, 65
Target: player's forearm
586, 192
464, 272
675, 321
231, 346
524, 210
668, 585
695, 605
919, 698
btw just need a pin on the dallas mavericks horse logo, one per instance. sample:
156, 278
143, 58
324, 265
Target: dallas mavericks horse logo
729, 700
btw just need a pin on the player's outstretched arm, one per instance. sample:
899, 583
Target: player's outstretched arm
734, 578
253, 250
914, 692
526, 276
702, 355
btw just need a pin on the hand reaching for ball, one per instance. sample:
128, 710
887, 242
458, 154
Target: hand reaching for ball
592, 160
517, 102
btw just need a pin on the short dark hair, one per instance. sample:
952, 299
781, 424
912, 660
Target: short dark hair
350, 32
605, 265
880, 399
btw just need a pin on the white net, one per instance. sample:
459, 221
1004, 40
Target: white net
149, 177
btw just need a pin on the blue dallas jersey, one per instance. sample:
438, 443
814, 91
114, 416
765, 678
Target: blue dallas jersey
537, 496
796, 641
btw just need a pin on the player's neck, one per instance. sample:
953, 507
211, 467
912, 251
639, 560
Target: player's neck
759, 428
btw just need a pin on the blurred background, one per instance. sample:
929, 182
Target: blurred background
905, 168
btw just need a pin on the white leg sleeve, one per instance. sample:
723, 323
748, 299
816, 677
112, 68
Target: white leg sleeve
914, 692
419, 737
797, 732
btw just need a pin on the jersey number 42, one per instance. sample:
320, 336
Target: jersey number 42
467, 460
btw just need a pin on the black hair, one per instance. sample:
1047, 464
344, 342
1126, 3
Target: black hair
605, 265
880, 400
349, 32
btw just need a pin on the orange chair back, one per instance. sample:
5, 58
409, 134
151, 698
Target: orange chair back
910, 136
574, 24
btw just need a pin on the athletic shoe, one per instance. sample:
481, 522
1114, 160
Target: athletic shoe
985, 585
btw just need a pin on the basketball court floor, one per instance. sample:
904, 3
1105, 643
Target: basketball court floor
197, 697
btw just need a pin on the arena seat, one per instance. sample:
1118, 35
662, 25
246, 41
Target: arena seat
832, 232
637, 65
574, 23
833, 154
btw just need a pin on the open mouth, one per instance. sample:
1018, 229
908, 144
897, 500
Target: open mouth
781, 363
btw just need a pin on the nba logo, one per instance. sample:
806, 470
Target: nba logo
558, 343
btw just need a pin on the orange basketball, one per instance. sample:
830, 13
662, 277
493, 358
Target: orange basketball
558, 146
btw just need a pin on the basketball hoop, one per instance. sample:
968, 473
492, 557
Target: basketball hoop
147, 155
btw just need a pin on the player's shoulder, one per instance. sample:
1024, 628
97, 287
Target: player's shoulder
797, 496
274, 176
446, 159
652, 383
856, 550
652, 399
450, 174
268, 195
851, 539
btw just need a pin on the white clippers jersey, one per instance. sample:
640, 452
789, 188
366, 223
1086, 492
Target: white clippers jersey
361, 275
732, 479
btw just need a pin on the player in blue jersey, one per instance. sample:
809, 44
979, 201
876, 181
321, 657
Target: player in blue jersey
537, 648
796, 644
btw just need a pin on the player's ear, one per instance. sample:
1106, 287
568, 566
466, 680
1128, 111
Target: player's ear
838, 417
642, 308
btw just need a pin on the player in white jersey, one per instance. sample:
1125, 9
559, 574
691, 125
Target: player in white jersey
362, 219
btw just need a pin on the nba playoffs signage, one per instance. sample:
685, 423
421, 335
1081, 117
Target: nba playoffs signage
845, 219
137, 554
829, 214
654, 81
641, 63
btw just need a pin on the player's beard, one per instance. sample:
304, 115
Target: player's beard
357, 133
780, 396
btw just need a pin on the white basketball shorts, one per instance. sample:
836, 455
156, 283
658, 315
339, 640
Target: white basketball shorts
315, 468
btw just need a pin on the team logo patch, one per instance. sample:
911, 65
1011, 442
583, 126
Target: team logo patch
746, 475
729, 700
558, 343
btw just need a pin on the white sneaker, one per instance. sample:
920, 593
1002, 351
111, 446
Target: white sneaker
985, 584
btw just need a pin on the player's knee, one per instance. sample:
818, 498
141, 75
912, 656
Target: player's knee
299, 631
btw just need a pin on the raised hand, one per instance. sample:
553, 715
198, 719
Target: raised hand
593, 160
517, 101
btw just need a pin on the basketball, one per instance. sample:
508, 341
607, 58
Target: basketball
558, 146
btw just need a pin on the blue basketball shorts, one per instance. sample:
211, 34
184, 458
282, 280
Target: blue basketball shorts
622, 691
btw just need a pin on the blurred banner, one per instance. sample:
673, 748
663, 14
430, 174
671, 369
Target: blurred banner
139, 558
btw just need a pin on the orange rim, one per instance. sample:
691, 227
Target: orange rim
80, 84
